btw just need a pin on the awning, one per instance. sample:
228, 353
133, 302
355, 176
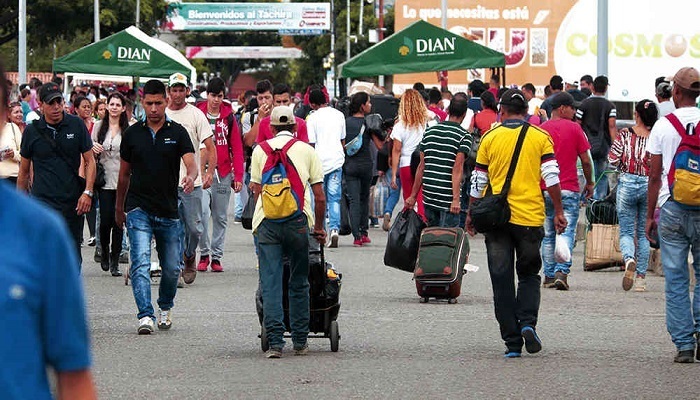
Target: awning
421, 47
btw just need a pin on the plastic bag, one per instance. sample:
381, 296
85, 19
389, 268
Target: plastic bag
562, 253
404, 239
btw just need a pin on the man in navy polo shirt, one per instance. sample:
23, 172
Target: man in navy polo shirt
42, 306
55, 146
150, 168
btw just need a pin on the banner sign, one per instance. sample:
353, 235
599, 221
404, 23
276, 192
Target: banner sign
248, 16
541, 38
251, 52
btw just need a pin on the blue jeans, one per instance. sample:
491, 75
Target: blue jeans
241, 197
332, 186
601, 184
441, 218
679, 232
571, 203
190, 210
141, 227
276, 240
632, 214
393, 199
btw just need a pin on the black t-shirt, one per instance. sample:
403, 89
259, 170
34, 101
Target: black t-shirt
363, 157
594, 114
55, 173
155, 166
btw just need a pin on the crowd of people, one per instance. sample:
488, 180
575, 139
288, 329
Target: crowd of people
165, 171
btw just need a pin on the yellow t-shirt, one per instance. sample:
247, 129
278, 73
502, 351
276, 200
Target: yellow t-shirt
495, 153
305, 161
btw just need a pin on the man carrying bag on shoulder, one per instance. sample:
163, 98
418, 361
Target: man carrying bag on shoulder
508, 207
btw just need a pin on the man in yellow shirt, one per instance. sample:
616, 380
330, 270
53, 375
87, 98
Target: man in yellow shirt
287, 237
517, 312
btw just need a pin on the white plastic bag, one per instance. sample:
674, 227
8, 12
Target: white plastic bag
562, 253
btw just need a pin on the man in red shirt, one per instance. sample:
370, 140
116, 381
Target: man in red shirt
281, 97
228, 174
570, 144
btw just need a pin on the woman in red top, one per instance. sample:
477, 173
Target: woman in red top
628, 154
487, 116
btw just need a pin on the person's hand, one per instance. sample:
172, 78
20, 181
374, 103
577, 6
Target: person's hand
380, 173
455, 207
9, 154
394, 185
651, 230
264, 111
410, 203
188, 184
84, 204
588, 191
237, 186
560, 222
207, 180
97, 148
469, 225
319, 235
543, 115
120, 218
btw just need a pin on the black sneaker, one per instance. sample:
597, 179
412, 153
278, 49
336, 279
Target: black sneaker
98, 254
684, 357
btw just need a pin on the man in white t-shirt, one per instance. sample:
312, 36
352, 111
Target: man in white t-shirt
190, 204
678, 223
326, 129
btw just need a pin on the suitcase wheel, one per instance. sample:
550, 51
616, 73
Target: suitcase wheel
424, 299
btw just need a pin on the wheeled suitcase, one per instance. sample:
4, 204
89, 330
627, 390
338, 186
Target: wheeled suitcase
442, 256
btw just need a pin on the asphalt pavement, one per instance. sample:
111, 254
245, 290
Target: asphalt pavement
599, 341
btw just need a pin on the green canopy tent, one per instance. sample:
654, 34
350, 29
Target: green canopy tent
422, 47
128, 53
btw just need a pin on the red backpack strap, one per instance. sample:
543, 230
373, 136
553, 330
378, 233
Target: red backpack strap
676, 124
266, 147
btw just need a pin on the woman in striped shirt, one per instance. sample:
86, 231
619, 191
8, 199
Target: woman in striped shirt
628, 154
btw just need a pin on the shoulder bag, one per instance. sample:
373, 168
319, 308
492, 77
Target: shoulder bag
62, 155
492, 211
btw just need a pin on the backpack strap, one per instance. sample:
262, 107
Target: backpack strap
673, 119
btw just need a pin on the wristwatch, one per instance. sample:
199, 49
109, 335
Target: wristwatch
89, 193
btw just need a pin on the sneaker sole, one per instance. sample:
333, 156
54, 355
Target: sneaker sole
145, 330
628, 279
164, 327
684, 359
334, 242
561, 285
532, 343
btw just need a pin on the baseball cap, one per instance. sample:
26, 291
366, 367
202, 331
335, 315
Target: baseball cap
177, 79
48, 92
515, 98
563, 99
687, 78
282, 116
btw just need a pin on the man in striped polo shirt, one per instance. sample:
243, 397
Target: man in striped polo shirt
439, 175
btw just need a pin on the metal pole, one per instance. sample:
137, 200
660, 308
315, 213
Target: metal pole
138, 12
97, 20
362, 13
381, 34
347, 42
602, 37
444, 14
22, 43
335, 76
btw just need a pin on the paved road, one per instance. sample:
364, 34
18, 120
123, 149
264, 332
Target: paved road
599, 342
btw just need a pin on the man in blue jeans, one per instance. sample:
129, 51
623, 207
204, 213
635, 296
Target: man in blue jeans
570, 145
150, 166
288, 237
439, 175
678, 230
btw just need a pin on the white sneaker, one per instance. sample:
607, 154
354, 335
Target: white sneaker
164, 322
146, 326
334, 239
640, 284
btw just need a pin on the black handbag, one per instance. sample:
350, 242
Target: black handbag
492, 211
248, 212
100, 179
